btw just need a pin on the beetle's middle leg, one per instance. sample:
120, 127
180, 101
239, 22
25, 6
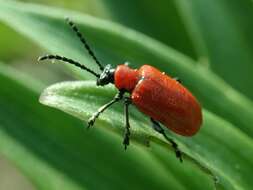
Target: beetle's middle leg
156, 126
126, 140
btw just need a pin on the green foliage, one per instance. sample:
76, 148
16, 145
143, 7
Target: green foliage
222, 35
52, 149
219, 30
153, 19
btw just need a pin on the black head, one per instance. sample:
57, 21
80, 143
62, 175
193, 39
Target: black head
107, 76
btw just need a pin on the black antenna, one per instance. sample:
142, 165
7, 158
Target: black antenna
84, 42
67, 60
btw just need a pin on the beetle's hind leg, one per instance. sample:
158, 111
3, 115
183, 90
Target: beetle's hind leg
157, 127
126, 140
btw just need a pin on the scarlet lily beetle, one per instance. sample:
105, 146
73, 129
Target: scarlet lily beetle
162, 98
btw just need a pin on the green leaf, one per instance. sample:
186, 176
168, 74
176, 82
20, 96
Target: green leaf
54, 151
158, 20
10, 37
46, 27
214, 146
222, 33
60, 151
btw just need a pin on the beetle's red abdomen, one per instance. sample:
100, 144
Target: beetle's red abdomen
162, 98
167, 101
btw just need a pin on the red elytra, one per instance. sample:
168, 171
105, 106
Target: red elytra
154, 93
161, 97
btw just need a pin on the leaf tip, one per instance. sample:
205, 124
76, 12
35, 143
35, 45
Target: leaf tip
43, 97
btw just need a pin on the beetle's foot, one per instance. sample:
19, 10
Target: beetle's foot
179, 155
91, 121
177, 151
126, 140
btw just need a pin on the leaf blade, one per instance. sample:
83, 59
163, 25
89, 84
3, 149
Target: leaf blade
75, 99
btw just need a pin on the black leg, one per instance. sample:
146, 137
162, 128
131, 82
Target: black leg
156, 126
127, 102
93, 118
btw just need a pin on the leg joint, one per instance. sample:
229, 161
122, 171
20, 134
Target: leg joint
127, 101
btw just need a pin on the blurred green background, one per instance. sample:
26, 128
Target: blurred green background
207, 43
15, 50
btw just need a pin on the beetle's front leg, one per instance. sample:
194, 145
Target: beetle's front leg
93, 118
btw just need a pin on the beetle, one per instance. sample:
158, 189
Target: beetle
163, 98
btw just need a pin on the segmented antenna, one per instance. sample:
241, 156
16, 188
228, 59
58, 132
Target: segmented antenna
67, 60
84, 42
